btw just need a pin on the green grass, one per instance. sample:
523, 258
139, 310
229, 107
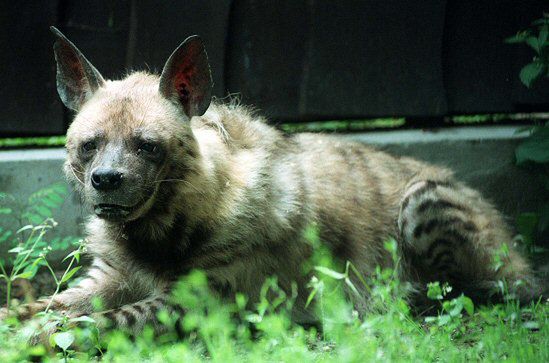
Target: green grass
343, 125
494, 334
19, 142
219, 331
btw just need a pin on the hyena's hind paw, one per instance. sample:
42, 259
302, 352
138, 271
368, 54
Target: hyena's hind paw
450, 234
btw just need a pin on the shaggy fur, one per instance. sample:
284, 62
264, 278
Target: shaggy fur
229, 194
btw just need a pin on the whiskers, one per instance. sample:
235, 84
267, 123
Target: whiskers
75, 172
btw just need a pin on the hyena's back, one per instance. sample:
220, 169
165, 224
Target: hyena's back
446, 231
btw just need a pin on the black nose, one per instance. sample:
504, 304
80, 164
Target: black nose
106, 179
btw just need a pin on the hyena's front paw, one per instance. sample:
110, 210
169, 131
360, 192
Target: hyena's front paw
18, 311
24, 311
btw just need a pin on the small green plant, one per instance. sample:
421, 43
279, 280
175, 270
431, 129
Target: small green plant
28, 245
451, 313
68, 273
535, 149
236, 330
533, 152
537, 38
28, 257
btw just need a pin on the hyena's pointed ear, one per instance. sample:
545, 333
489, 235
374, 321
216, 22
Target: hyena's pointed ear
77, 78
186, 77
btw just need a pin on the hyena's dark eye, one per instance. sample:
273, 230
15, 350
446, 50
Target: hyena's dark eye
149, 147
89, 146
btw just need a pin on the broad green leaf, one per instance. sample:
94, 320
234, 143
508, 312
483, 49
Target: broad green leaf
541, 21
444, 319
543, 33
82, 319
468, 305
390, 245
34, 219
25, 228
520, 37
6, 210
28, 274
456, 310
531, 72
17, 249
43, 211
75, 253
69, 274
5, 235
533, 43
526, 225
328, 272
311, 297
48, 202
253, 318
30, 269
535, 148
63, 340
241, 301
311, 235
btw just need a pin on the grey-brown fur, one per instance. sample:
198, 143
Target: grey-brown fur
232, 196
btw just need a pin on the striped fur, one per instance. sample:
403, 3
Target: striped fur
232, 196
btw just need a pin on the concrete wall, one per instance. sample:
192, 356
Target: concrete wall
481, 156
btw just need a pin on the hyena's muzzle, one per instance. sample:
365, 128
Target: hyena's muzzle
120, 184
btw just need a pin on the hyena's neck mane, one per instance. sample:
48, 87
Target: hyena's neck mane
193, 201
163, 238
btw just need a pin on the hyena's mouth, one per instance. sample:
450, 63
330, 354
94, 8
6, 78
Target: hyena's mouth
112, 211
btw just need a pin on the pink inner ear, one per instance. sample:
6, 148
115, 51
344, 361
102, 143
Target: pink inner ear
73, 63
183, 84
187, 75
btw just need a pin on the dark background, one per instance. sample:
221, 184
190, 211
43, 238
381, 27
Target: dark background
295, 60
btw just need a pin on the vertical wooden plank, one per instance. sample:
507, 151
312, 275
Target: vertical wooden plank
163, 25
480, 69
99, 28
325, 59
28, 98
372, 58
265, 55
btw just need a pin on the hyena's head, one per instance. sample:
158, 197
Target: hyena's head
129, 135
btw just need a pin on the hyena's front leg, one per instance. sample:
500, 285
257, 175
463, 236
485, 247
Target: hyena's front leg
449, 233
133, 317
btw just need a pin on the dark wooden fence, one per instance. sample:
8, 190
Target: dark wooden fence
295, 60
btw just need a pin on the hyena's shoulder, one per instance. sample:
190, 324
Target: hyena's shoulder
237, 126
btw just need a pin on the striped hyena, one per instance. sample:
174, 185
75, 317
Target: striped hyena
176, 182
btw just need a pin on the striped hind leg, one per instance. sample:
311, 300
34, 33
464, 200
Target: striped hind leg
449, 233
